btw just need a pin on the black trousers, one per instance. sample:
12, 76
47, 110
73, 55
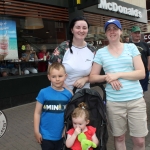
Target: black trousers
52, 145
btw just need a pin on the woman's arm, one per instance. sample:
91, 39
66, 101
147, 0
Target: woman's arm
37, 115
95, 74
35, 56
95, 77
81, 82
137, 74
58, 53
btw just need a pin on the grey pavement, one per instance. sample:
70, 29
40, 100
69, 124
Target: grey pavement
19, 134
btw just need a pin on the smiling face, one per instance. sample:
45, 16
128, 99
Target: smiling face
80, 30
113, 33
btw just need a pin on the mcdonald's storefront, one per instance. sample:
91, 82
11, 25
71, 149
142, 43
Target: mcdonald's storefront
128, 15
45, 23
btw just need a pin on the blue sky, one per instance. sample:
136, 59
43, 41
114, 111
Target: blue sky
8, 27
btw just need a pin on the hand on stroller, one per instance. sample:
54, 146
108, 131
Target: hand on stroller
38, 137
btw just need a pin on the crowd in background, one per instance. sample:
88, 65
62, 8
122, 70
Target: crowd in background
29, 54
30, 61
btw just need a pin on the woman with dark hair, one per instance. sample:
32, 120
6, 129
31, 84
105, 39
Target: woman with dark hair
76, 55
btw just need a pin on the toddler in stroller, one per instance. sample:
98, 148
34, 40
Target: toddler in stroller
97, 116
80, 120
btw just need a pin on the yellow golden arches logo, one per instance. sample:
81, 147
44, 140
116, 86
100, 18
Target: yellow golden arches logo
78, 1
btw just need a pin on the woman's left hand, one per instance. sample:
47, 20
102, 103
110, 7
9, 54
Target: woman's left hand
80, 82
116, 85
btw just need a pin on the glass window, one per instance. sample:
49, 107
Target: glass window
37, 35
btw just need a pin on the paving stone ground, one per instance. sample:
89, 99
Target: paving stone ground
19, 134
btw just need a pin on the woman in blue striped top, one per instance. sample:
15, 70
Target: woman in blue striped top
125, 104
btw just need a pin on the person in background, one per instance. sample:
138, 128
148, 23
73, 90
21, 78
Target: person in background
4, 74
126, 39
126, 106
149, 79
4, 69
121, 40
43, 55
29, 55
49, 110
145, 54
76, 55
80, 121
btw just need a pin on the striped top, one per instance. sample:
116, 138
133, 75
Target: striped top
131, 88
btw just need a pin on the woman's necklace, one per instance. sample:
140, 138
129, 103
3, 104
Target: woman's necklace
117, 52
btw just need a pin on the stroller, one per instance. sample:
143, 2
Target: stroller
97, 110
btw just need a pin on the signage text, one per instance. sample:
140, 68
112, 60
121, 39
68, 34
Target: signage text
112, 6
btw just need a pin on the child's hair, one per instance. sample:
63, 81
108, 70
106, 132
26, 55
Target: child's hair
43, 47
80, 111
56, 66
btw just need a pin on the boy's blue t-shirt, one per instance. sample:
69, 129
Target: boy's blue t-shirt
52, 117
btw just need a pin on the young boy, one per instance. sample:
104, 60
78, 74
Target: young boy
49, 110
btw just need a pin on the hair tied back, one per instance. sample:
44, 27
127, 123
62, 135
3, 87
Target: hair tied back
83, 107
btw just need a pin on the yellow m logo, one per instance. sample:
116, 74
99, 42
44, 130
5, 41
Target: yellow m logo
78, 1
